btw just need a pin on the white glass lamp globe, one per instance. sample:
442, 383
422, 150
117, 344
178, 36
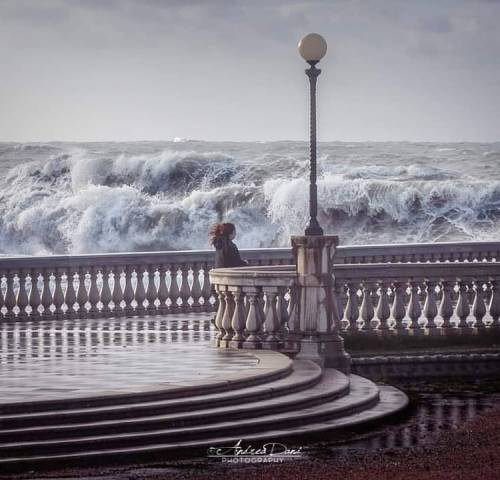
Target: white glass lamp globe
312, 47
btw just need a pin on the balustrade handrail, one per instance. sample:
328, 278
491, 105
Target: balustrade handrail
417, 271
409, 252
275, 275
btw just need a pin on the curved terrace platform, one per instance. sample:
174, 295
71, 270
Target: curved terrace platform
107, 356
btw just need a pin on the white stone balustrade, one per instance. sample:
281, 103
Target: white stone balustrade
419, 298
110, 285
106, 285
255, 306
372, 299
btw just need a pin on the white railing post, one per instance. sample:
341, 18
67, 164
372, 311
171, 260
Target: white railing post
105, 291
10, 296
383, 310
494, 306
430, 306
117, 293
22, 294
46, 295
367, 311
271, 321
151, 292
446, 306
462, 308
414, 308
162, 290
34, 296
140, 292
352, 308
238, 322
70, 296
82, 295
253, 320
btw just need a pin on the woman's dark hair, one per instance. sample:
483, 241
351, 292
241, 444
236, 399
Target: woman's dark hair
221, 229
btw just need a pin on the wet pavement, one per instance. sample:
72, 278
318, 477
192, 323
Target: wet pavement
59, 358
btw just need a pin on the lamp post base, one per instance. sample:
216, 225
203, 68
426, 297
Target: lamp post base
318, 317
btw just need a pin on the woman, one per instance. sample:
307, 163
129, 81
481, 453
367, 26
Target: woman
226, 252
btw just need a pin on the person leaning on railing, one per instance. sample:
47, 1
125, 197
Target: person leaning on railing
226, 252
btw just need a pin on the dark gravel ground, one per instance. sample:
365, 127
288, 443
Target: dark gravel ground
470, 452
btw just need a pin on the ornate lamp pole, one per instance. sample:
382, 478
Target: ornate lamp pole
312, 48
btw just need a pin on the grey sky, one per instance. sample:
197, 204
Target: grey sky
229, 70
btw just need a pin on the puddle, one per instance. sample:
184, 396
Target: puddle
429, 415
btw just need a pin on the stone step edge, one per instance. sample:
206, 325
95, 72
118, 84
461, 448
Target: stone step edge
270, 389
315, 395
335, 408
384, 408
272, 365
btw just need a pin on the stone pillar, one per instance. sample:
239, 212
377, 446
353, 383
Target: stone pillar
317, 315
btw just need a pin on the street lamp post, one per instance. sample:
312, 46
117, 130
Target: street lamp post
312, 48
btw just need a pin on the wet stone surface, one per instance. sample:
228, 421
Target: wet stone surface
54, 359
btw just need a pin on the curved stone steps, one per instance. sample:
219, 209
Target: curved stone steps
333, 384
390, 401
363, 394
271, 366
303, 375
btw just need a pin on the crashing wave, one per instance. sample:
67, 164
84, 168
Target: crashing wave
83, 198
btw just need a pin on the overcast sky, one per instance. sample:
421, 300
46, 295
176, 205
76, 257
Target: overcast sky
229, 70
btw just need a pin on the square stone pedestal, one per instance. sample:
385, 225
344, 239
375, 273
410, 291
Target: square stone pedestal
319, 322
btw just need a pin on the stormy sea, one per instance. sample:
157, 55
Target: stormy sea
142, 196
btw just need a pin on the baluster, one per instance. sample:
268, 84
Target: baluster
220, 313
352, 308
253, 320
128, 292
1, 295
414, 309
383, 310
151, 292
446, 306
367, 311
398, 310
430, 306
196, 290
58, 293
238, 322
70, 297
271, 322
494, 306
174, 292
10, 296
336, 309
46, 294
282, 312
478, 305
140, 293
185, 291
162, 290
82, 295
93, 292
462, 308
34, 296
22, 295
105, 292
293, 335
207, 289
117, 294
227, 319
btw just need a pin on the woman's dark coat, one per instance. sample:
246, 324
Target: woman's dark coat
226, 253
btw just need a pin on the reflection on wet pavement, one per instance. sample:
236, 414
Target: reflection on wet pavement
56, 358
432, 414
